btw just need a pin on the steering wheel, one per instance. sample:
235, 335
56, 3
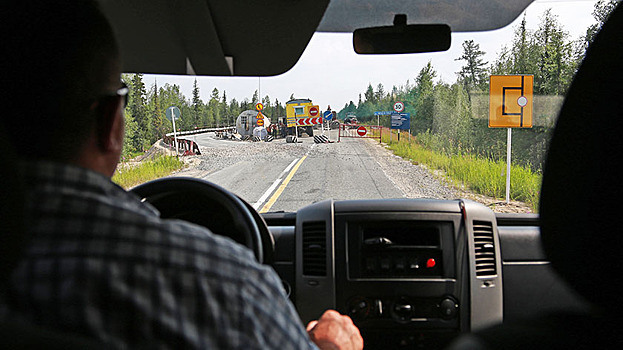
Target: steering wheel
209, 205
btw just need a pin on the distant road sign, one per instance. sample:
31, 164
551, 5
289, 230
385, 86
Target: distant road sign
260, 122
327, 115
384, 113
510, 101
401, 121
313, 111
259, 106
259, 115
173, 112
362, 131
399, 106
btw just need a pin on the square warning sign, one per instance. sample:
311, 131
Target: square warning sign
510, 101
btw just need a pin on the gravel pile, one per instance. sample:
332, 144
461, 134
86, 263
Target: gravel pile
214, 159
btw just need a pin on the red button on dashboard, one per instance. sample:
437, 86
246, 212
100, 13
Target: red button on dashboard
430, 263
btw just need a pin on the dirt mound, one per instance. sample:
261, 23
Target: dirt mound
156, 150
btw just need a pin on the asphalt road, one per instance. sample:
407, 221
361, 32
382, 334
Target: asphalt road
274, 176
280, 176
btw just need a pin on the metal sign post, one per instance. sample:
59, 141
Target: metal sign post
177, 151
173, 113
379, 114
508, 164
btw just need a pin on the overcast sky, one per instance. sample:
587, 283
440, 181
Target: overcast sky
331, 73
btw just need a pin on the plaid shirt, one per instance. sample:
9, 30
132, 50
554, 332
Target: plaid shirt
103, 264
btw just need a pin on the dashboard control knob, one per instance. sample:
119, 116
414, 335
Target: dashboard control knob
359, 308
448, 308
401, 310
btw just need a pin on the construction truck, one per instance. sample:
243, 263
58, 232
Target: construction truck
302, 115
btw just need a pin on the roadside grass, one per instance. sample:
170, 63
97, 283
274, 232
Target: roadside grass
480, 175
130, 155
128, 176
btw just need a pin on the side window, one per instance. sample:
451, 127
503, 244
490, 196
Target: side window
299, 110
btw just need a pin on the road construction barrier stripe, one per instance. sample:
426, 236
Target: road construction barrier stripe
309, 121
321, 139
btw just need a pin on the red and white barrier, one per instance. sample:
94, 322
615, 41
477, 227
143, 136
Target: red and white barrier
309, 121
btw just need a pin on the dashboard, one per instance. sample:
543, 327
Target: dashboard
415, 272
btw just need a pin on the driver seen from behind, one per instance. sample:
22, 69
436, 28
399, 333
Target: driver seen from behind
99, 261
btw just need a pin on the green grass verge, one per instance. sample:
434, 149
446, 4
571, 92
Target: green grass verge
131, 155
128, 177
480, 175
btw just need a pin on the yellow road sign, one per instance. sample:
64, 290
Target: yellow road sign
510, 101
259, 115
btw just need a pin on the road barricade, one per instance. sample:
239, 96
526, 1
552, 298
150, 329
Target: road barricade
360, 131
189, 147
185, 146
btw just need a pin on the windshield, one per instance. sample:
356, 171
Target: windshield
346, 126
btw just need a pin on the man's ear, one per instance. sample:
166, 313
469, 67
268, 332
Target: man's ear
109, 125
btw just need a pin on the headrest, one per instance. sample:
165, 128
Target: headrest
582, 194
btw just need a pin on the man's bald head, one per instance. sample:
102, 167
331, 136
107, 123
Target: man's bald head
58, 58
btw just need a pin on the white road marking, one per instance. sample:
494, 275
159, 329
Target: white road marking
274, 185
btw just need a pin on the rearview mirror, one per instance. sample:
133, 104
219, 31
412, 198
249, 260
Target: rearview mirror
402, 38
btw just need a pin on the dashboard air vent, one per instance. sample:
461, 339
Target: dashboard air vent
484, 249
315, 248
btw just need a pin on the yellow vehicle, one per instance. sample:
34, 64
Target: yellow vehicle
302, 112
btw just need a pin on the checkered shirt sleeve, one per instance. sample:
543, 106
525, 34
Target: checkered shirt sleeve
103, 264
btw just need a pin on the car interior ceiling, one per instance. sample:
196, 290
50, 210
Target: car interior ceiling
197, 37
346, 15
579, 201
